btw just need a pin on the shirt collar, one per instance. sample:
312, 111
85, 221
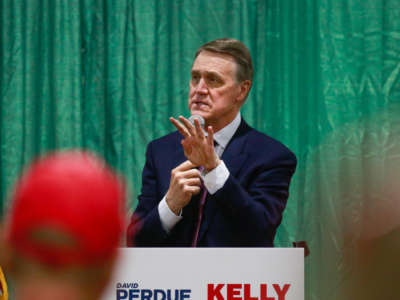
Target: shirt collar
223, 136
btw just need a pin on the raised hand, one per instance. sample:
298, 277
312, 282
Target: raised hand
198, 148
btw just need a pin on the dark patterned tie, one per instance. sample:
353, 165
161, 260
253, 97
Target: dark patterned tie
201, 206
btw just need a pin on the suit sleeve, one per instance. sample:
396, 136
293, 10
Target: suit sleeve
253, 206
145, 228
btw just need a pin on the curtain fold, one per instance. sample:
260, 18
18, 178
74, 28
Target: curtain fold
107, 75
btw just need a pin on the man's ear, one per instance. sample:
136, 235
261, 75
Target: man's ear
244, 90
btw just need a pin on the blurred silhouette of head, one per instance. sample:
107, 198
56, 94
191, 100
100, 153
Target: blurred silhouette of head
64, 227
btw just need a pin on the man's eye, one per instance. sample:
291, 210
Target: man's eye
195, 78
213, 80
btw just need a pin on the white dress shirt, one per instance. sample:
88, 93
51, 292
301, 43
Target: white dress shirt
213, 180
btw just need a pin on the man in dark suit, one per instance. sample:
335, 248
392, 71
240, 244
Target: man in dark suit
224, 186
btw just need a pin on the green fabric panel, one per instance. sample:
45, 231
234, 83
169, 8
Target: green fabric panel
106, 75
347, 187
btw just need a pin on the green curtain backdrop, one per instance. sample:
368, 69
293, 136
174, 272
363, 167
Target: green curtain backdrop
106, 75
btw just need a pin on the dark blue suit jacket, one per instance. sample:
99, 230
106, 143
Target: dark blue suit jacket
245, 212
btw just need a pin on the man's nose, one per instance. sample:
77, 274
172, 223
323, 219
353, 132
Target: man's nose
201, 87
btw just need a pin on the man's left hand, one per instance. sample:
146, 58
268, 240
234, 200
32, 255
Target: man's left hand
198, 148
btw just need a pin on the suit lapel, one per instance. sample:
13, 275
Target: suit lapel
178, 156
234, 157
234, 154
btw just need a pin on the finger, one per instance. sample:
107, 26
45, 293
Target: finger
194, 190
180, 127
186, 165
199, 130
189, 126
210, 136
192, 173
193, 181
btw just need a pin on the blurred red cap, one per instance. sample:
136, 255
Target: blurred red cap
67, 209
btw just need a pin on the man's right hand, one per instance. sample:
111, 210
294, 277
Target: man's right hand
185, 182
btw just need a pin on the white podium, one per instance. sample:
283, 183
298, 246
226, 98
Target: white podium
208, 274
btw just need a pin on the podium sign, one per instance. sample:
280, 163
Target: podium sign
208, 274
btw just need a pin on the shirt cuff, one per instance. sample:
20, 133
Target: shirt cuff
216, 178
167, 217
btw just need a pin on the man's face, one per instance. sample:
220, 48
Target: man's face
214, 92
